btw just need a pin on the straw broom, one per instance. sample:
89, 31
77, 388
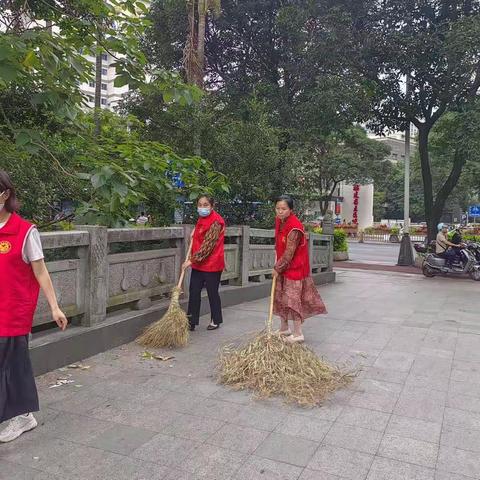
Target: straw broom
172, 330
268, 366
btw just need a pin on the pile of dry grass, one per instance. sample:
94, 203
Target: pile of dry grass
172, 330
268, 366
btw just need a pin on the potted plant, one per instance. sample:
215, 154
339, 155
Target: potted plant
340, 246
394, 235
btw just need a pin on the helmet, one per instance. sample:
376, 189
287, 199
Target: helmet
441, 226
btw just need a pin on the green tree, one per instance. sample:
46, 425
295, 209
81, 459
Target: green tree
350, 157
433, 44
43, 49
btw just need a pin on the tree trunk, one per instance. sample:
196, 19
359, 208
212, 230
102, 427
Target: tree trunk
98, 92
202, 25
432, 221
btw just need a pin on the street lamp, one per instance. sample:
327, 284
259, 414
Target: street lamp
405, 256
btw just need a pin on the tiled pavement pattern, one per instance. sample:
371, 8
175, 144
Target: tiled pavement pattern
413, 413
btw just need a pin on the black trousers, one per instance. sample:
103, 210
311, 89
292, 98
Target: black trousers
18, 393
210, 280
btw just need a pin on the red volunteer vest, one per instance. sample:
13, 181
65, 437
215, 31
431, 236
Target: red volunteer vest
20, 289
299, 267
215, 262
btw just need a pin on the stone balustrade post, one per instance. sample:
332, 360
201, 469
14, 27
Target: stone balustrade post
96, 276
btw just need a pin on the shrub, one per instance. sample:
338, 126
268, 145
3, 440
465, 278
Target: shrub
340, 243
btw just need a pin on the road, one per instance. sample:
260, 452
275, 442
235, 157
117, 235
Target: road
379, 253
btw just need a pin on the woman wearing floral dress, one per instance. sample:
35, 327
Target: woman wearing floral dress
296, 297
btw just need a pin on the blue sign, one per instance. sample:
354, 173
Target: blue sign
474, 211
177, 181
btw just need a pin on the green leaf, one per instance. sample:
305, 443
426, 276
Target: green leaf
8, 73
30, 59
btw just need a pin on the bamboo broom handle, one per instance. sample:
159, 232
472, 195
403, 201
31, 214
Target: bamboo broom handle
270, 314
182, 275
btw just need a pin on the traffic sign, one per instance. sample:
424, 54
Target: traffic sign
474, 211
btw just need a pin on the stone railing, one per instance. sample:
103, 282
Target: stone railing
97, 271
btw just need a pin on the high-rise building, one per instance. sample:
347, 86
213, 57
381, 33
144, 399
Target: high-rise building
110, 95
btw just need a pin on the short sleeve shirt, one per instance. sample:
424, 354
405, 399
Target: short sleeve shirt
441, 242
32, 250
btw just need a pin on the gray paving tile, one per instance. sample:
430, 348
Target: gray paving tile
450, 476
329, 411
288, 449
316, 475
463, 402
414, 428
121, 439
383, 402
425, 404
353, 438
135, 469
256, 468
192, 427
166, 450
409, 450
387, 469
399, 361
385, 375
459, 461
76, 428
462, 438
237, 438
348, 464
464, 388
16, 471
258, 417
461, 418
217, 409
213, 463
362, 417
310, 428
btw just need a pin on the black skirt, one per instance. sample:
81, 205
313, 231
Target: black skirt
18, 392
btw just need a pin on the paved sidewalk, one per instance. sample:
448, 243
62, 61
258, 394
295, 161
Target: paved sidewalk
413, 413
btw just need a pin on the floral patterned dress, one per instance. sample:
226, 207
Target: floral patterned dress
295, 299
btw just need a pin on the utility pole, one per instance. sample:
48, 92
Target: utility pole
405, 256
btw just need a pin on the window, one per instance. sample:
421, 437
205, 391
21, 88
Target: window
104, 71
104, 86
90, 99
91, 83
104, 56
104, 101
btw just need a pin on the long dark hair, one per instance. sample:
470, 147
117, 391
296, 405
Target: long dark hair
287, 199
11, 204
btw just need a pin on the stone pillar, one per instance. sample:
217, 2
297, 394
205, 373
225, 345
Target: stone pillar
328, 228
310, 237
96, 277
327, 224
244, 252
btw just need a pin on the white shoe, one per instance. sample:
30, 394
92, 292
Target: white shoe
294, 339
17, 426
284, 333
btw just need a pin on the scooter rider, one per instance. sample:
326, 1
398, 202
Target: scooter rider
444, 248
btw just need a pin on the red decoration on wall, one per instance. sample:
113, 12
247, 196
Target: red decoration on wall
356, 196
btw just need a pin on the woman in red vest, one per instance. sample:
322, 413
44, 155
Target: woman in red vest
296, 297
207, 262
24, 273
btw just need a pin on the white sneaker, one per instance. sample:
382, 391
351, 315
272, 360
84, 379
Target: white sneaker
17, 426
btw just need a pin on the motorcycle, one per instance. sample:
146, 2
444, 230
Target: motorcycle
434, 265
